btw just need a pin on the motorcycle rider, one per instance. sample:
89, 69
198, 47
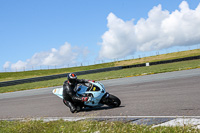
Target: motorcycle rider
73, 101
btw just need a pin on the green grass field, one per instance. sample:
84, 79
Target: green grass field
61, 126
184, 65
37, 73
7, 76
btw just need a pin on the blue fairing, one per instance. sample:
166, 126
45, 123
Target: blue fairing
95, 93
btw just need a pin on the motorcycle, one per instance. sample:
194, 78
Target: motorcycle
96, 93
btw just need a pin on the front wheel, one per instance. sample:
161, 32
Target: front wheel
112, 101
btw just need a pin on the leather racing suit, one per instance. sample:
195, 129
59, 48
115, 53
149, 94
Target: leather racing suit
69, 94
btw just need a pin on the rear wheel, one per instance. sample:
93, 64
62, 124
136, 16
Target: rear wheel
112, 101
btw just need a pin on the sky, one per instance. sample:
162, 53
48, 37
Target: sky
36, 34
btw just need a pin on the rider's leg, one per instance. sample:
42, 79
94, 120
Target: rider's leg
78, 106
71, 106
68, 103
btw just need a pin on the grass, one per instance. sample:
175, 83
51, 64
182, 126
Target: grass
168, 56
85, 126
184, 65
7, 76
37, 73
61, 126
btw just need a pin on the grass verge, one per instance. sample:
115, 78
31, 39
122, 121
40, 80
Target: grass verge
61, 126
7, 76
38, 73
184, 65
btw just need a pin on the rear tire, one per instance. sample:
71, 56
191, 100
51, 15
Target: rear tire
112, 101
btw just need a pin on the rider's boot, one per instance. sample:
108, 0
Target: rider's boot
78, 108
71, 106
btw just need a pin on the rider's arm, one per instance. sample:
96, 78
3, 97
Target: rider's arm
82, 81
68, 92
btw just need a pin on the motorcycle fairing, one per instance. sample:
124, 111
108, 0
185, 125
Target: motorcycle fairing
58, 92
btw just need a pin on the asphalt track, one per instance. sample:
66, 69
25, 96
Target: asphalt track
166, 94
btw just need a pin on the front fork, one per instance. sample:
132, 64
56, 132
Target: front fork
104, 98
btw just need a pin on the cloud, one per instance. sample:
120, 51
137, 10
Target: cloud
6, 65
160, 30
19, 65
65, 55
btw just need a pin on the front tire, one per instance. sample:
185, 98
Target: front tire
112, 101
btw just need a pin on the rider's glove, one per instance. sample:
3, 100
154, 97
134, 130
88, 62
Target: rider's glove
84, 99
89, 99
91, 81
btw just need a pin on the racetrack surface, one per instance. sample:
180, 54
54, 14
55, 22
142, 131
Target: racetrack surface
165, 94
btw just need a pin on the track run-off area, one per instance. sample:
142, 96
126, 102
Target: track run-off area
164, 96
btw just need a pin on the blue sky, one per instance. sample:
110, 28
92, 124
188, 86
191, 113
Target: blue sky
36, 33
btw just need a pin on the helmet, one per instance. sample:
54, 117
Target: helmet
72, 78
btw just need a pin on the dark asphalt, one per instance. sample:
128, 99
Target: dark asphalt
167, 94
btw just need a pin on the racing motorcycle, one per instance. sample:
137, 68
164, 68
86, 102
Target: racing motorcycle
96, 93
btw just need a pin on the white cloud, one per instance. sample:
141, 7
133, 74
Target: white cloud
160, 30
19, 65
6, 65
65, 55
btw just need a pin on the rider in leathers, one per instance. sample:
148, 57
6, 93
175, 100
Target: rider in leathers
73, 101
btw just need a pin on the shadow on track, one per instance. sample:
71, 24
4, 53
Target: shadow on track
87, 109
